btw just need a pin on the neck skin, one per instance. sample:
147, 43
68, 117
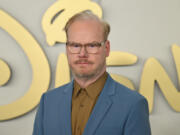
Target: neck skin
85, 82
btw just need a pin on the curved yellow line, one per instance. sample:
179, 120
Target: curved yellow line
40, 68
5, 73
123, 80
117, 58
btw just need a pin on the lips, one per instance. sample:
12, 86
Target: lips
83, 63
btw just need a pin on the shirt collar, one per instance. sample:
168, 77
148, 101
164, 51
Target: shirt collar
94, 89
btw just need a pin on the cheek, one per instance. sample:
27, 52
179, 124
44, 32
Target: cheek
99, 59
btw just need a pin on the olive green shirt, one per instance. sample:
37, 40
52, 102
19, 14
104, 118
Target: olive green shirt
83, 101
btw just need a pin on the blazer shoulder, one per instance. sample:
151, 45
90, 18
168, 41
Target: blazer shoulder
59, 90
126, 92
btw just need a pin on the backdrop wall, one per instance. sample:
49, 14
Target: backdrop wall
144, 28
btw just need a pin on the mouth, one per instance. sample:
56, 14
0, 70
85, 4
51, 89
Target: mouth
83, 62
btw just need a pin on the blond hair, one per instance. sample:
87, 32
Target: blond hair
87, 15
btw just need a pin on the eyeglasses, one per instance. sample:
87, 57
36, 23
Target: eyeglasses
91, 48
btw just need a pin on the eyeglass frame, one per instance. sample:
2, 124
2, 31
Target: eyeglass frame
97, 44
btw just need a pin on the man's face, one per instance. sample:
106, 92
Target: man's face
83, 64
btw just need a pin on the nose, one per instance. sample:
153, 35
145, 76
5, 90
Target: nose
83, 51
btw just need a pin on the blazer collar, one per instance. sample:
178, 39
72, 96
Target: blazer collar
69, 87
66, 108
100, 109
102, 106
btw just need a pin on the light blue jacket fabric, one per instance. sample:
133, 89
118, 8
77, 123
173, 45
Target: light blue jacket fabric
118, 111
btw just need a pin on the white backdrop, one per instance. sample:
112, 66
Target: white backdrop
144, 28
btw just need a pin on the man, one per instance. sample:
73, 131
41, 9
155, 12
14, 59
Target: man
93, 103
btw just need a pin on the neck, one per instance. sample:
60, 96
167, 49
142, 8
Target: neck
85, 82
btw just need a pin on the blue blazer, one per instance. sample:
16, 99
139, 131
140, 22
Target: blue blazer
118, 111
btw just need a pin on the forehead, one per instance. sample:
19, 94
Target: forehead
85, 31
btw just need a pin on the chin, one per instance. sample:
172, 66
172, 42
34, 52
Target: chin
84, 74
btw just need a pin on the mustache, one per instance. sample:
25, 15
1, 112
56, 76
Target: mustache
83, 61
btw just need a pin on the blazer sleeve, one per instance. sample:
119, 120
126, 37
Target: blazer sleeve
138, 119
38, 123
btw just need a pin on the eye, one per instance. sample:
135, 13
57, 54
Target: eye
93, 45
75, 45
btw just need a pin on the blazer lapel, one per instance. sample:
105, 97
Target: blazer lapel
67, 109
101, 107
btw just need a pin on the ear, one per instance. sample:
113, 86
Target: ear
107, 47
